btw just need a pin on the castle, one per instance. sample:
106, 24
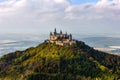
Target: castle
60, 38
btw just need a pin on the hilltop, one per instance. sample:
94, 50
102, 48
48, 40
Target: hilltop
49, 61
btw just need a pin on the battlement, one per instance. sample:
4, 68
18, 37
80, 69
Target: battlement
60, 38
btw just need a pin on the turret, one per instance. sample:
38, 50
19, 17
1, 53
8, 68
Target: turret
50, 33
60, 31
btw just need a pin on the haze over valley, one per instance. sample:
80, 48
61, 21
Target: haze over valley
13, 42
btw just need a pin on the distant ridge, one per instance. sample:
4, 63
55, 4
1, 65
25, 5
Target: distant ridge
102, 41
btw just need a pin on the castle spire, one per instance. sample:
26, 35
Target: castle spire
60, 31
66, 33
55, 32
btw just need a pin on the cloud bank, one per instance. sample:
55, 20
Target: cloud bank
32, 16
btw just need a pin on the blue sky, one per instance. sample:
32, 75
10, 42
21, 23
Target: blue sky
73, 1
82, 1
2, 0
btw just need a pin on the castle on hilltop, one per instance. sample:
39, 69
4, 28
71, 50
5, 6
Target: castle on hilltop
60, 38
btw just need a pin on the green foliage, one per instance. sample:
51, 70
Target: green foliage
53, 62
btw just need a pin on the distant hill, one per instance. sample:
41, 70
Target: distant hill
102, 41
115, 51
53, 62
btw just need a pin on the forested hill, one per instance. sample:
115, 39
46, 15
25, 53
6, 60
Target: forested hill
53, 62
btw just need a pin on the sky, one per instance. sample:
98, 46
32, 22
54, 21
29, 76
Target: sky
82, 1
74, 16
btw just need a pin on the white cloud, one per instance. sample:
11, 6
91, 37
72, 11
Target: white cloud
34, 15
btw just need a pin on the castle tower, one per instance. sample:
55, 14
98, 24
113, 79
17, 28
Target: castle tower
60, 31
66, 34
50, 35
55, 32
